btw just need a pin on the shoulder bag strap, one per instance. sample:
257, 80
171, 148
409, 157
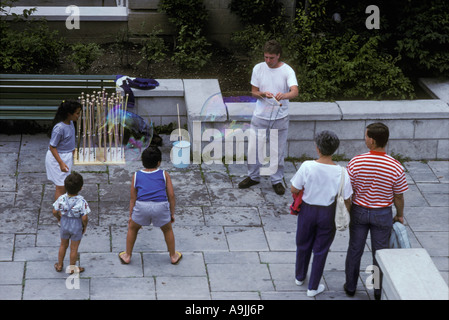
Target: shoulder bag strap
342, 181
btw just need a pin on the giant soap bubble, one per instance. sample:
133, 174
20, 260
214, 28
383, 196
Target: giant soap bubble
222, 113
138, 132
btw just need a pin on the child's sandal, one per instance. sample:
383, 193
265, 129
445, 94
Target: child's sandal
72, 269
58, 268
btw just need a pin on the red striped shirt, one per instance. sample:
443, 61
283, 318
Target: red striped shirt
376, 177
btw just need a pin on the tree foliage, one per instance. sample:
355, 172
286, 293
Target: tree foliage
342, 59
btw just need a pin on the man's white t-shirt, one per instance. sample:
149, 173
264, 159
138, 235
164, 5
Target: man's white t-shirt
273, 80
320, 182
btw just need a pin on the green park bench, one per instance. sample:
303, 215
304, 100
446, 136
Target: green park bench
37, 97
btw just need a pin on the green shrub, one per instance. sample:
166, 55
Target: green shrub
350, 67
84, 55
333, 64
423, 37
154, 48
190, 45
191, 50
259, 12
32, 48
189, 13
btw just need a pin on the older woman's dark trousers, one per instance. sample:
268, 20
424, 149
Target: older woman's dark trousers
315, 233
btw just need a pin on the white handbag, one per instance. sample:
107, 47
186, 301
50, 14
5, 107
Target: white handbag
341, 212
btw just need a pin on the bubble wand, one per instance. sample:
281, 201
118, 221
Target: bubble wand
78, 124
123, 124
179, 123
84, 128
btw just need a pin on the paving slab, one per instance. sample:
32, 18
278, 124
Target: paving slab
237, 239
6, 246
225, 197
107, 265
236, 244
11, 292
225, 216
19, 220
428, 219
440, 169
421, 172
122, 289
8, 182
158, 264
8, 161
56, 289
12, 272
239, 277
281, 240
182, 288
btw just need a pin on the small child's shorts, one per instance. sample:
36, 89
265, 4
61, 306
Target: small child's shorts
146, 213
71, 228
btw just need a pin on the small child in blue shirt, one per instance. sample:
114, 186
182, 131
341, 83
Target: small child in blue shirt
73, 210
152, 202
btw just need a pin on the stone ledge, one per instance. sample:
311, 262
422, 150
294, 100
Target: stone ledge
166, 88
416, 278
320, 111
437, 88
351, 110
298, 111
394, 109
197, 93
86, 13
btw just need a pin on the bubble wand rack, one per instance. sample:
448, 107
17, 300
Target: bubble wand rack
100, 131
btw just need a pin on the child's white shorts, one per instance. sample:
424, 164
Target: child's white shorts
150, 212
54, 172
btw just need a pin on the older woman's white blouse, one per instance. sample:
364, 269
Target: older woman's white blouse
320, 182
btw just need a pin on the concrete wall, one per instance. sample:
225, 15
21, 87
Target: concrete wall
160, 104
419, 129
142, 16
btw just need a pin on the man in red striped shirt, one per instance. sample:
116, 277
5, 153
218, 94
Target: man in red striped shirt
378, 181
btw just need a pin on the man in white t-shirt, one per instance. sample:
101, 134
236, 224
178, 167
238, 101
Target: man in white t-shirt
274, 83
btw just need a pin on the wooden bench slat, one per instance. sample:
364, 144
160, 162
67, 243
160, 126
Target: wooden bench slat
41, 95
34, 82
57, 76
37, 97
29, 102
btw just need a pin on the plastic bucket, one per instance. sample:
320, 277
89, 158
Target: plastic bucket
180, 154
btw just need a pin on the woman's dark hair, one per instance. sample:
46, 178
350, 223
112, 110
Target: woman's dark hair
150, 157
65, 108
379, 132
327, 142
73, 183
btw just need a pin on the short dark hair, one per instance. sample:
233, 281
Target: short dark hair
272, 47
73, 183
379, 132
327, 142
151, 156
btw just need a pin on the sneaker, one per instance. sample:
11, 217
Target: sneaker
247, 182
313, 293
279, 188
299, 283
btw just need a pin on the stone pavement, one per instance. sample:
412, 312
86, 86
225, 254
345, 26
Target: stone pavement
237, 244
